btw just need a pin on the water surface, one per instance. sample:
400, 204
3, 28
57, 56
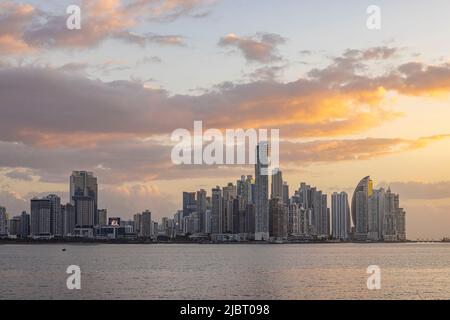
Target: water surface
244, 271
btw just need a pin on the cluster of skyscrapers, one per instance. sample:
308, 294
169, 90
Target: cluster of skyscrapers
245, 211
241, 211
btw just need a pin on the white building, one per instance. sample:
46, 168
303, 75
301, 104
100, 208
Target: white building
340, 216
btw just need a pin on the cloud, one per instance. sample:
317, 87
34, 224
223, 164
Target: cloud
263, 47
24, 28
145, 161
20, 174
126, 200
356, 149
267, 73
120, 129
149, 60
332, 101
13, 20
13, 202
420, 79
421, 190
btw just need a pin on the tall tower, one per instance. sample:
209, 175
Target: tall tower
340, 216
83, 185
277, 184
216, 212
41, 217
360, 208
262, 192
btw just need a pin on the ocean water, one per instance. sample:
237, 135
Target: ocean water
239, 271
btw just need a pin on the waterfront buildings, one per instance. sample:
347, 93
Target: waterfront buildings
235, 212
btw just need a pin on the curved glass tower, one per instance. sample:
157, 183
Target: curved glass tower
360, 208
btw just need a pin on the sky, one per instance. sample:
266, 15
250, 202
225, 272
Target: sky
349, 101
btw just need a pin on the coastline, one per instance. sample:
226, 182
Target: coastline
99, 242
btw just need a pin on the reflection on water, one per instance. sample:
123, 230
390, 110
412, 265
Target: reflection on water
189, 271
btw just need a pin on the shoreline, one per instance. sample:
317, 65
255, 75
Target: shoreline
100, 242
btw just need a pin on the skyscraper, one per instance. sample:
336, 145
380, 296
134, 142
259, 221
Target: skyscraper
24, 225
41, 217
85, 213
56, 219
68, 211
102, 217
340, 216
360, 207
278, 219
3, 222
277, 184
201, 209
14, 226
262, 192
189, 203
376, 215
285, 193
146, 224
229, 193
216, 211
394, 226
83, 184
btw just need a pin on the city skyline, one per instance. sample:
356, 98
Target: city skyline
236, 212
106, 98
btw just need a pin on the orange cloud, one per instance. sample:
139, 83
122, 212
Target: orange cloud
346, 150
24, 28
13, 20
261, 48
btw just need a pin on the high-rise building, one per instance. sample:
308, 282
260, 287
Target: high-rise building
376, 215
56, 219
24, 225
394, 226
41, 218
85, 212
229, 193
207, 222
286, 193
137, 218
201, 208
189, 203
102, 217
83, 184
262, 192
14, 226
68, 211
278, 219
3, 222
360, 208
146, 224
216, 211
294, 222
340, 216
314, 211
250, 212
277, 184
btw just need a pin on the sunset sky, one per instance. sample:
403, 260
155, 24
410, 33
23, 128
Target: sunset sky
349, 101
